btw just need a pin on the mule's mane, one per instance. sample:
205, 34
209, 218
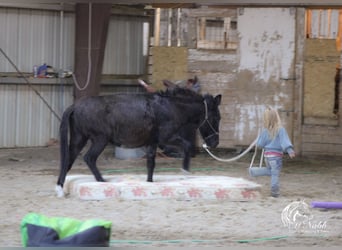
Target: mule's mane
183, 93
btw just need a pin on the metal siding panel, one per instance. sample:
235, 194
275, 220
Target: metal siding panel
334, 23
36, 116
33, 37
61, 98
21, 115
25, 45
7, 114
137, 35
324, 24
9, 37
26, 120
3, 115
68, 45
314, 24
55, 104
134, 43
123, 53
44, 125
113, 50
32, 119
320, 23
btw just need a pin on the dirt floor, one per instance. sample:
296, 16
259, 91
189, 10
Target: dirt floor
28, 178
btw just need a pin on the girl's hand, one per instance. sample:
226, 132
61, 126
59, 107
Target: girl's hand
292, 155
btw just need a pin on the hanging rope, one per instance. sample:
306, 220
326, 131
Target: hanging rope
89, 54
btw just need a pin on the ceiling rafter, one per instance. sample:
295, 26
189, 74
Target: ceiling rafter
251, 3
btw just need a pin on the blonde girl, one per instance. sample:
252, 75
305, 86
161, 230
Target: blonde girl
275, 142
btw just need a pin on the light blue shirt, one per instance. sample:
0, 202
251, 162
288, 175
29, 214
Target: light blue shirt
280, 143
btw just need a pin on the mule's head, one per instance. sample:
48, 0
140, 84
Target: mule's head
209, 127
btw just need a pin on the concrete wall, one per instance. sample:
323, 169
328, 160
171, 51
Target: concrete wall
266, 63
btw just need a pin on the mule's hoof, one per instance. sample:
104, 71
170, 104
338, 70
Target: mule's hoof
59, 191
185, 171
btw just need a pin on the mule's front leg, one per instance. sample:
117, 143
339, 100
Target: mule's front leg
186, 158
151, 161
186, 163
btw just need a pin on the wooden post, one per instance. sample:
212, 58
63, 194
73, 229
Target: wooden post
157, 27
339, 34
88, 67
174, 27
202, 28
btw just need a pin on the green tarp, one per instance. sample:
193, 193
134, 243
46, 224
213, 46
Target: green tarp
38, 231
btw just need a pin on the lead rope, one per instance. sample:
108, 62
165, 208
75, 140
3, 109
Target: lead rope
261, 157
231, 159
239, 156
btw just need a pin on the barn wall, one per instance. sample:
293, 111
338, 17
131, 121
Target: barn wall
172, 64
26, 120
274, 64
126, 46
321, 59
321, 129
322, 139
33, 37
217, 75
271, 66
259, 73
266, 68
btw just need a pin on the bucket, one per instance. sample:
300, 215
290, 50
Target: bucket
129, 153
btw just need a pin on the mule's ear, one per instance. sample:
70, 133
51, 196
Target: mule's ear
218, 99
195, 79
168, 84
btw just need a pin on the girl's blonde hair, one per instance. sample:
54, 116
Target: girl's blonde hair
272, 121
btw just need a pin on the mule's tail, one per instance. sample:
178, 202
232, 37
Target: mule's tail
64, 149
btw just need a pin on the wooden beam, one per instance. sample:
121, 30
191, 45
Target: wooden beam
157, 28
88, 70
246, 3
174, 5
339, 34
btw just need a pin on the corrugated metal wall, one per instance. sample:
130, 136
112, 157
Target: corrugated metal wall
25, 119
124, 53
323, 23
33, 37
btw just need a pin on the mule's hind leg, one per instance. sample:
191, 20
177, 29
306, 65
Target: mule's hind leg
76, 145
77, 142
97, 146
